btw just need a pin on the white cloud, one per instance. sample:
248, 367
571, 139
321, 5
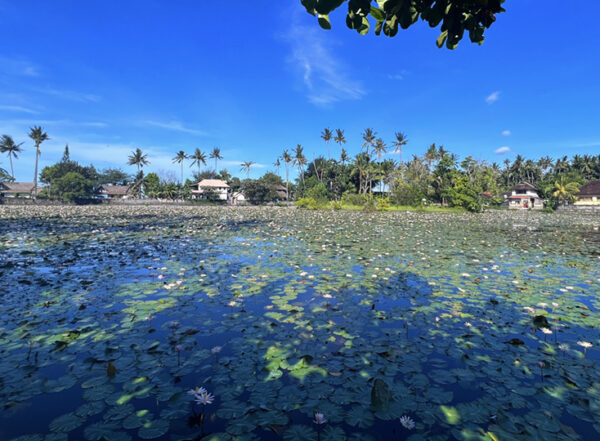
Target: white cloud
18, 109
325, 76
18, 67
175, 126
493, 97
396, 77
506, 133
502, 150
239, 163
70, 95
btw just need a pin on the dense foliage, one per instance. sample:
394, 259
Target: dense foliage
453, 16
438, 176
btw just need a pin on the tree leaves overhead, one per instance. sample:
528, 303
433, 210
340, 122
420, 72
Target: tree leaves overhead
453, 16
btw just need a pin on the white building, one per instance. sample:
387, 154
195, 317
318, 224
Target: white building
212, 189
524, 196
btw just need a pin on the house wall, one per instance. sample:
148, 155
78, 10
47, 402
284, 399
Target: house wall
588, 200
517, 204
531, 193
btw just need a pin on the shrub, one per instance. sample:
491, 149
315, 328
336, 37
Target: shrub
354, 199
318, 193
382, 204
306, 203
335, 205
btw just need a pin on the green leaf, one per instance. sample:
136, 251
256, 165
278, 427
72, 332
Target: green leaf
300, 432
324, 22
66, 422
451, 414
442, 39
153, 429
377, 14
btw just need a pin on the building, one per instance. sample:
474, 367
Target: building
281, 192
523, 196
215, 189
589, 195
238, 198
114, 191
18, 189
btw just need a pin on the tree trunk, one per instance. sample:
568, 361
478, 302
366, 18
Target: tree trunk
37, 155
287, 183
12, 171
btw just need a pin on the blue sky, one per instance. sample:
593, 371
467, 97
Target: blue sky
107, 77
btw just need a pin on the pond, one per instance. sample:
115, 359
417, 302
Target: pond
298, 325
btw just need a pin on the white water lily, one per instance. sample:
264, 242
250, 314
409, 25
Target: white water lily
197, 391
407, 422
205, 398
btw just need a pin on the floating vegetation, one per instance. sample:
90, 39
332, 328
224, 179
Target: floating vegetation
298, 325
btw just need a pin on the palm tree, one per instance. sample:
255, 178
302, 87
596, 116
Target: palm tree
344, 156
287, 159
199, 157
327, 136
339, 137
179, 158
277, 164
401, 141
38, 135
431, 155
369, 137
299, 160
216, 155
565, 191
138, 158
379, 148
246, 166
8, 146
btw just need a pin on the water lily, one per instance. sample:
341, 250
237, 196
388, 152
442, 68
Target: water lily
216, 349
319, 418
407, 422
585, 345
197, 391
205, 398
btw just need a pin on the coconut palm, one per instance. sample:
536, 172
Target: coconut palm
431, 155
277, 164
565, 191
38, 135
287, 159
379, 148
216, 155
401, 141
179, 158
138, 158
327, 136
199, 158
299, 160
344, 156
246, 167
368, 136
339, 137
8, 146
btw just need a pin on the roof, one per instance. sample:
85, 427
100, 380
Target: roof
213, 183
279, 187
487, 194
524, 186
592, 188
18, 187
114, 190
523, 196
